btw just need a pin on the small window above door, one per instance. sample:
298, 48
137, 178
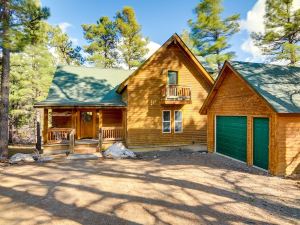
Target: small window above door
172, 77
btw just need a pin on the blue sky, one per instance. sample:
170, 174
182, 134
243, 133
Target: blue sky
159, 18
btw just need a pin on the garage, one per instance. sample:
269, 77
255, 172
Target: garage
253, 115
231, 136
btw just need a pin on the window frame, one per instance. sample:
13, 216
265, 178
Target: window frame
178, 132
177, 77
170, 121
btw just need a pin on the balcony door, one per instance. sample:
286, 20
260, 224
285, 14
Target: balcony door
86, 124
172, 77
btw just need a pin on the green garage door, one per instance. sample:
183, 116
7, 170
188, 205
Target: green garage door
261, 142
231, 136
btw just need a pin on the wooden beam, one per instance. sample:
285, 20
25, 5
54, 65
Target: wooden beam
100, 119
249, 140
124, 125
45, 125
78, 124
94, 116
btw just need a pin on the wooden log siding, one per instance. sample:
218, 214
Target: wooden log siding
288, 144
144, 110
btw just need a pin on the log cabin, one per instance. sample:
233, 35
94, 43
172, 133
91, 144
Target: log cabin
156, 105
253, 115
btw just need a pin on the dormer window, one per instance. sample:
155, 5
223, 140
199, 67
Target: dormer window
172, 77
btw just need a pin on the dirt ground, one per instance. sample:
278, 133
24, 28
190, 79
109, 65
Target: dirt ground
161, 188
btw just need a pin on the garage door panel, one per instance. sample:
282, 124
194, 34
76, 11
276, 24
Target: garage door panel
231, 136
261, 142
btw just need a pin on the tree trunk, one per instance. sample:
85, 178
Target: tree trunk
4, 103
4, 84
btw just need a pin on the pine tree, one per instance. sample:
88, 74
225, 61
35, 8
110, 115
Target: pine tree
67, 53
19, 19
185, 36
280, 40
210, 33
31, 74
133, 46
103, 41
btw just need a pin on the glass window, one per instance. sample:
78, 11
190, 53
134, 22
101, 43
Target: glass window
178, 121
166, 122
172, 78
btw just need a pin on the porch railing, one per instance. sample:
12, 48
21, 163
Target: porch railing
110, 134
176, 92
61, 136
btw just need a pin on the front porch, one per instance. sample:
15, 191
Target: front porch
82, 130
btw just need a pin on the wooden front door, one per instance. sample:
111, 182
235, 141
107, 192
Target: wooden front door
86, 125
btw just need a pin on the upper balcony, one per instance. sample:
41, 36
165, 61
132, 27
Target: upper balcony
176, 94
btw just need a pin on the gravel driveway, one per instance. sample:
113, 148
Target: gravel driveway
161, 188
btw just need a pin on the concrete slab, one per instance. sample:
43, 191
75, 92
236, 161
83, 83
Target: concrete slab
96, 155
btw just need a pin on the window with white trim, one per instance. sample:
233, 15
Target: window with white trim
166, 121
178, 121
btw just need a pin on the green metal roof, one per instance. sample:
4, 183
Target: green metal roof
85, 86
279, 85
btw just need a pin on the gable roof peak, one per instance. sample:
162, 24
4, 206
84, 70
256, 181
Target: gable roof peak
278, 85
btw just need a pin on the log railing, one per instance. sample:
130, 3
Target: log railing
61, 136
176, 92
110, 134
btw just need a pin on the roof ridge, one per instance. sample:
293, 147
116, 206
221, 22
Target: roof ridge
262, 63
90, 67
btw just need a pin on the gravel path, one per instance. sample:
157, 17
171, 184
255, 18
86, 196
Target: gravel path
160, 188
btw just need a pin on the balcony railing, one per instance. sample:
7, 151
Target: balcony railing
111, 134
176, 93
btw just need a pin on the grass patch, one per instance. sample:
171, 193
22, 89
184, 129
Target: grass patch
26, 149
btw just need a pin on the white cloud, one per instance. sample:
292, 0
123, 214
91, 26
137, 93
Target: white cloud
255, 18
249, 47
64, 26
153, 47
296, 5
254, 22
75, 41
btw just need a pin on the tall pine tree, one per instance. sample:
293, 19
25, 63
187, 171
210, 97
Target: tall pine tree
133, 46
280, 40
19, 19
30, 77
210, 33
103, 41
67, 53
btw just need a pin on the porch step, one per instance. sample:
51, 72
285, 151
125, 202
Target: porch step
55, 147
85, 156
56, 152
79, 149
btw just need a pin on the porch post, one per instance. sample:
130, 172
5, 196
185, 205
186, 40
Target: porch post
94, 123
124, 125
99, 127
77, 124
45, 126
100, 119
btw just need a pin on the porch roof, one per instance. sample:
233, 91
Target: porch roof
85, 86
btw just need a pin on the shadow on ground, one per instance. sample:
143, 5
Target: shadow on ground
178, 188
